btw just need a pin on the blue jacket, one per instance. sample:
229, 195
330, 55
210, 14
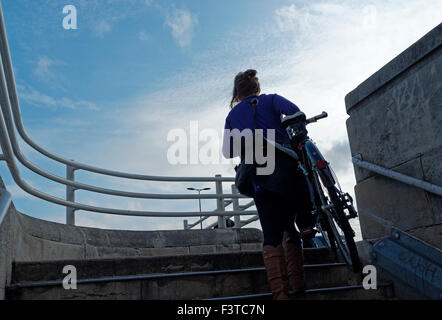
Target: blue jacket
269, 112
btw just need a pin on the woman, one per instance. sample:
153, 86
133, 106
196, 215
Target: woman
280, 196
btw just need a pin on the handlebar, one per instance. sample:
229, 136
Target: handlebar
316, 118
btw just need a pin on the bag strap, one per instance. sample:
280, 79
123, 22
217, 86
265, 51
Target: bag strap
254, 102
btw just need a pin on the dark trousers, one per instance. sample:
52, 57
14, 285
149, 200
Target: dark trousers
278, 212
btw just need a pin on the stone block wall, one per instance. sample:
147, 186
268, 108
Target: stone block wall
396, 122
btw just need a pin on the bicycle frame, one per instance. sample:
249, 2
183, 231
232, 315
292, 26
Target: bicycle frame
310, 156
317, 161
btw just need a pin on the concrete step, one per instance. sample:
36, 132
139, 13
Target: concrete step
187, 285
98, 268
200, 276
384, 291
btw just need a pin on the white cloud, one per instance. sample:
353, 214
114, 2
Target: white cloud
101, 28
290, 17
181, 22
44, 68
39, 99
111, 14
143, 36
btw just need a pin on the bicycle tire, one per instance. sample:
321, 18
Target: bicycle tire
323, 221
344, 225
318, 198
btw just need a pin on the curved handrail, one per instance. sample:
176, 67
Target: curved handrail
13, 97
6, 109
7, 150
5, 202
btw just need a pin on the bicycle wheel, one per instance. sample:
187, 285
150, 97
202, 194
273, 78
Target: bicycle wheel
322, 223
344, 234
339, 231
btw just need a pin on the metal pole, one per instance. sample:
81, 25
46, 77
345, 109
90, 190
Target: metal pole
199, 202
432, 188
235, 203
220, 203
70, 196
186, 224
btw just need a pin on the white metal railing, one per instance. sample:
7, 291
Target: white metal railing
11, 120
5, 202
432, 188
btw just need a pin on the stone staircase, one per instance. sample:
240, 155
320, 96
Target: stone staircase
231, 276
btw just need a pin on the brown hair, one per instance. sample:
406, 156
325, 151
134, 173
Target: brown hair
246, 84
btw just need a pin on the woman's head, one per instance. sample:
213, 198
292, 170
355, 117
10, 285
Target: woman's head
246, 84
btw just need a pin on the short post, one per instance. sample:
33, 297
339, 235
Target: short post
186, 224
220, 203
70, 196
235, 204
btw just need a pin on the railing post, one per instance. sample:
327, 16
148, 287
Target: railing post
186, 224
70, 196
235, 204
220, 203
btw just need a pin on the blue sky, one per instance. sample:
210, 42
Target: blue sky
108, 93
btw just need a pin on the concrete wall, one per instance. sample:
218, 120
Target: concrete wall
396, 122
41, 240
6, 251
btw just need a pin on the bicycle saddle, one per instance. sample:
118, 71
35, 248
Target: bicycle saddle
298, 117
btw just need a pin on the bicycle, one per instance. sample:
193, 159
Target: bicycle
332, 208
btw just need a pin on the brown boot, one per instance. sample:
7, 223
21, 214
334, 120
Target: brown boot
276, 269
295, 262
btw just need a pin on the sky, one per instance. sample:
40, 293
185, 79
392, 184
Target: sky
109, 93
